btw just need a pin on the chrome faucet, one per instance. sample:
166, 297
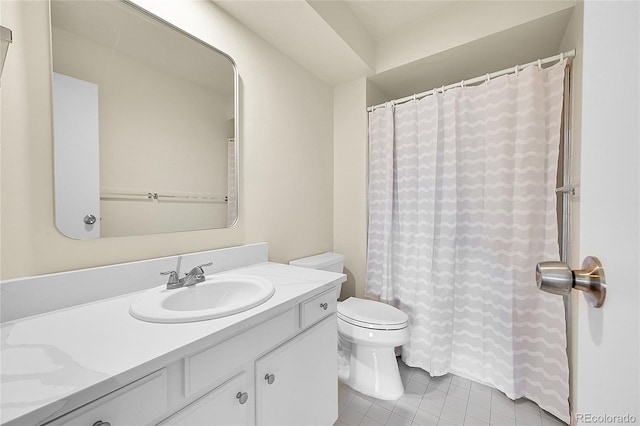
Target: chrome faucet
195, 276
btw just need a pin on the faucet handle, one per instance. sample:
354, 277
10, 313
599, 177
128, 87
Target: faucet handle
198, 269
173, 277
205, 264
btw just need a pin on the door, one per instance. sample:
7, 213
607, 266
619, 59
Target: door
76, 159
606, 368
297, 383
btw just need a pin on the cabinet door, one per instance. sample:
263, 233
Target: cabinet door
297, 383
230, 404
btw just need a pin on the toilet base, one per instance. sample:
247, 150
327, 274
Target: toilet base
373, 371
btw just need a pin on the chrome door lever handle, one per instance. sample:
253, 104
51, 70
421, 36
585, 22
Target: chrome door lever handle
557, 278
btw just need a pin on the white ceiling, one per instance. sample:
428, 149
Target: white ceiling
403, 46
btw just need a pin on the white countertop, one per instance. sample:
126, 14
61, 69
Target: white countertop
55, 362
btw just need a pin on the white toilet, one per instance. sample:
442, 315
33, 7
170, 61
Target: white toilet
368, 333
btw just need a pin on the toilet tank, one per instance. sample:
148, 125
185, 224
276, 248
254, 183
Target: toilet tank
332, 262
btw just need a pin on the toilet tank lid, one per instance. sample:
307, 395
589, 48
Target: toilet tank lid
318, 261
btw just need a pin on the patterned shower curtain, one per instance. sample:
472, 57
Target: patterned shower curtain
462, 206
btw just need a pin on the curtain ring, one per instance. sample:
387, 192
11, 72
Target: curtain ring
414, 97
561, 56
442, 88
435, 92
462, 84
540, 63
517, 70
488, 77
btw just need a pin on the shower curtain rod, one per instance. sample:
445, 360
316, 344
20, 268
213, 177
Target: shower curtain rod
486, 77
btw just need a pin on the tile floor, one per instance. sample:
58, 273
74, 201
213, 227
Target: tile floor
443, 401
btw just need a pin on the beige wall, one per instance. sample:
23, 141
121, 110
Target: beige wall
285, 143
350, 182
350, 178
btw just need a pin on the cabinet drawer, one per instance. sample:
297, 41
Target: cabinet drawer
318, 307
204, 369
138, 403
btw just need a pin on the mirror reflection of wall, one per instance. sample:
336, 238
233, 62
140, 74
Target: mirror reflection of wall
166, 122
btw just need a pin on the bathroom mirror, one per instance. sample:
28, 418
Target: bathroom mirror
145, 119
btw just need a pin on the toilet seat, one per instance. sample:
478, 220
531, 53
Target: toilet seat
371, 314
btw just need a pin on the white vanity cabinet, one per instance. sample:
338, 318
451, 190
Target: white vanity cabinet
279, 372
95, 364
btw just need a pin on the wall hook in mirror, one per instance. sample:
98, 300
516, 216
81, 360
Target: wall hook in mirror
558, 278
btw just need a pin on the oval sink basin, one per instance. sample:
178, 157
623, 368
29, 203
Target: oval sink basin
218, 296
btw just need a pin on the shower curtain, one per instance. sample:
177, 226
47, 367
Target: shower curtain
462, 206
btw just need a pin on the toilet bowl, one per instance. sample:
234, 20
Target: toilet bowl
368, 333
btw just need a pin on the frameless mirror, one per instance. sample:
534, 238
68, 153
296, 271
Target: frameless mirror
145, 119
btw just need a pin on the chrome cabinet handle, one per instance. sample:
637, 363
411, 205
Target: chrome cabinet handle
270, 378
89, 219
101, 423
557, 278
324, 306
242, 397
